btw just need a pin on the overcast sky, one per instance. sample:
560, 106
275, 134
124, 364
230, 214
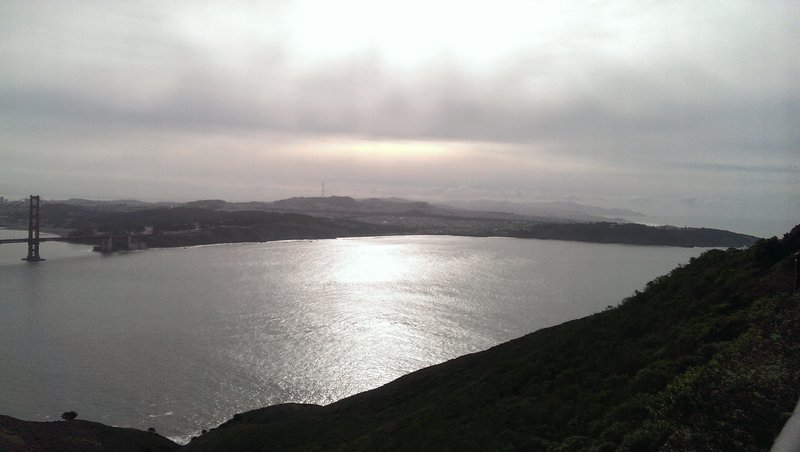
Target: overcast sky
675, 109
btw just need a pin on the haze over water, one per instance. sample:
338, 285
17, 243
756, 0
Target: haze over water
182, 339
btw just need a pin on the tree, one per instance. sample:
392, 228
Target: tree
69, 415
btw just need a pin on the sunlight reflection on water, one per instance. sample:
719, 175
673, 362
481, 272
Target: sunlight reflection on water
359, 262
206, 332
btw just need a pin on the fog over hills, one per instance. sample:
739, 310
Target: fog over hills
545, 211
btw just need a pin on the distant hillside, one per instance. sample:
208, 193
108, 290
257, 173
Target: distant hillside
562, 210
217, 221
347, 205
340, 204
636, 234
188, 226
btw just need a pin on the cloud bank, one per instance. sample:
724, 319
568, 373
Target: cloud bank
615, 102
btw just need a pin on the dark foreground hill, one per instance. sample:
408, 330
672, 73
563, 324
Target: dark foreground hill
76, 436
705, 358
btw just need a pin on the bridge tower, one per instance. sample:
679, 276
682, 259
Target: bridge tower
33, 230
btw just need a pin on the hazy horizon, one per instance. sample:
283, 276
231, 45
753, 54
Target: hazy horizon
757, 227
685, 112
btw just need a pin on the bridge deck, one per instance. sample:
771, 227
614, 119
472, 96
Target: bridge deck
64, 239
25, 240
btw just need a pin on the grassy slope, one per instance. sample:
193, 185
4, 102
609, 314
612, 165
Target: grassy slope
704, 358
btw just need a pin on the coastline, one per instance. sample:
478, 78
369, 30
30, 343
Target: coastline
208, 237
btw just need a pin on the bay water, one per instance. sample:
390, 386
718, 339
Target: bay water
181, 339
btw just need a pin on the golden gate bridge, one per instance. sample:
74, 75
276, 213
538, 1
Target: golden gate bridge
34, 240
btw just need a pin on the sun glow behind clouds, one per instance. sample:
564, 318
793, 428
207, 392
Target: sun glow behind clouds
597, 102
406, 33
414, 149
378, 150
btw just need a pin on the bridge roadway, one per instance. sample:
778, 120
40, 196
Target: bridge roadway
64, 239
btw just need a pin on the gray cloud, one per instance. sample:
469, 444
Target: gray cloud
678, 98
